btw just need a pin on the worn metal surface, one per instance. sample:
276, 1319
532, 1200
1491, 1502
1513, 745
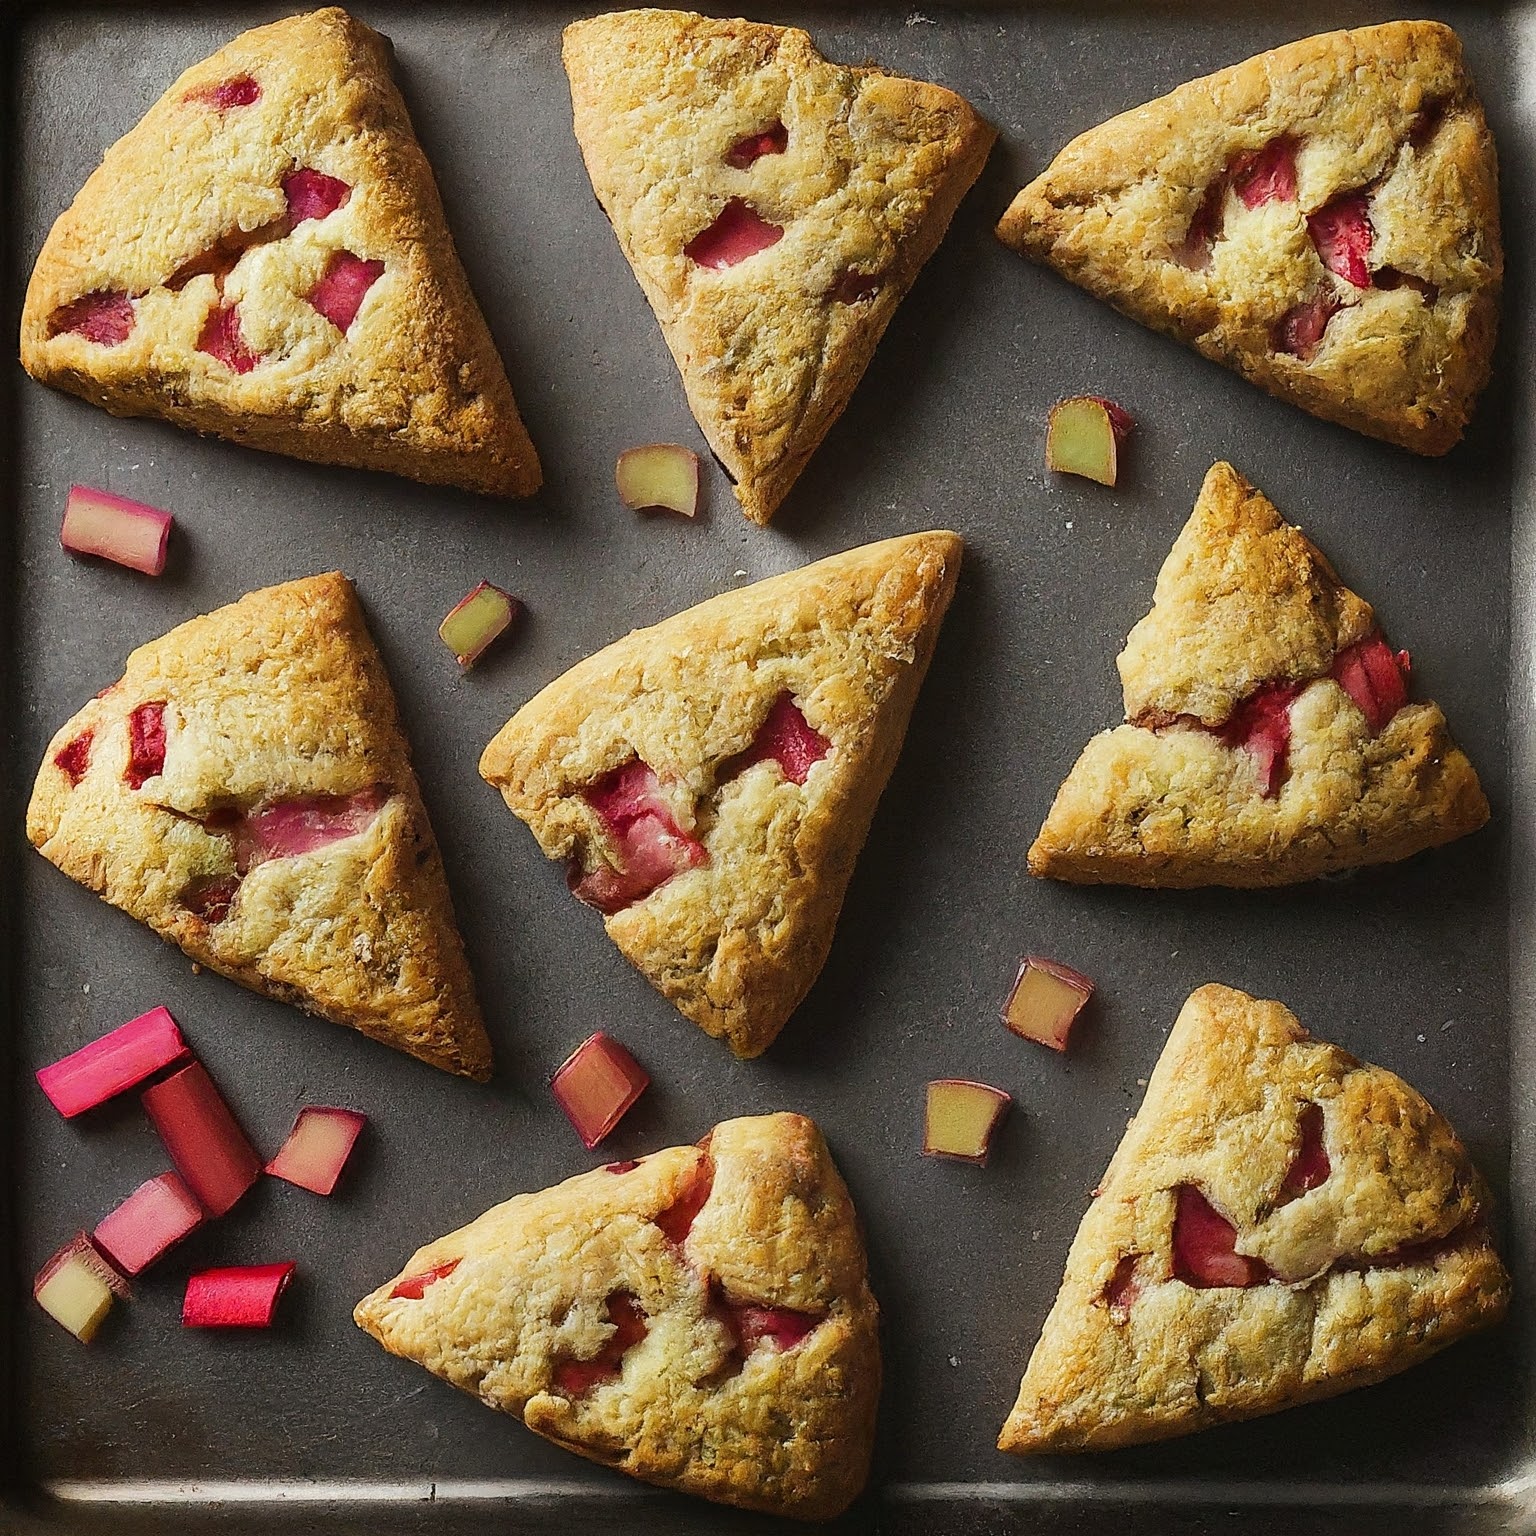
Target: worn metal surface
157, 1430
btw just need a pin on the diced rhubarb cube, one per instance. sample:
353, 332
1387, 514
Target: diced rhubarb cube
318, 1147
596, 1085
205, 1141
1045, 1000
414, 1287
1261, 726
245, 1296
74, 757
659, 476
284, 829
773, 140
1205, 1246
1299, 331
146, 744
105, 317
785, 737
1123, 1288
624, 1165
341, 290
677, 1220
575, 1378
238, 91
76, 1287
118, 1061
960, 1118
1083, 436
650, 846
1266, 175
738, 232
778, 1326
210, 897
151, 1221
1205, 229
220, 339
1310, 1166
115, 528
313, 195
474, 621
1375, 677
1341, 231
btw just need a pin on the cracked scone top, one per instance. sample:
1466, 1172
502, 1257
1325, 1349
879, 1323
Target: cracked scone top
775, 208
245, 789
1281, 1223
1323, 218
700, 1319
1269, 736
265, 257
711, 779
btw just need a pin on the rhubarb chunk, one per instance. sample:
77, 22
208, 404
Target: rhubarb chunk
242, 1297
287, 828
676, 1221
960, 1119
104, 317
1266, 175
1123, 1288
220, 339
115, 528
659, 476
211, 897
476, 620
1205, 229
738, 232
785, 737
74, 757
650, 846
150, 1222
1310, 1166
778, 1326
1205, 1246
239, 91
1261, 726
76, 1287
575, 1378
1375, 677
146, 744
596, 1085
1046, 998
1083, 437
414, 1287
317, 1148
1299, 331
205, 1142
340, 292
118, 1061
1341, 231
773, 140
312, 195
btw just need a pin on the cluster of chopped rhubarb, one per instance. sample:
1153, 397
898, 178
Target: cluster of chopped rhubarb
213, 1167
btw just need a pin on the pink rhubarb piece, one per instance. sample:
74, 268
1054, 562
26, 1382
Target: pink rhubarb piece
1310, 1166
650, 845
785, 737
1341, 231
220, 338
115, 528
1375, 677
238, 91
414, 1287
340, 292
1261, 725
773, 140
1299, 331
313, 195
737, 233
575, 1378
1205, 1246
242, 1297
118, 1061
287, 828
318, 1147
146, 744
105, 318
1266, 175
205, 1141
74, 757
151, 1221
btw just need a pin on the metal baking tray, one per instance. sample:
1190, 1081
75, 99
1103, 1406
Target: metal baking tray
1420, 967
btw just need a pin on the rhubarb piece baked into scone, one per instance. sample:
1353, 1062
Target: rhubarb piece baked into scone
700, 1319
775, 208
1281, 1223
265, 257
1270, 737
246, 790
711, 779
1323, 218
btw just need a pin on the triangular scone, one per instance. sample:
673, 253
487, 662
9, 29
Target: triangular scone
711, 779
775, 208
1281, 1223
265, 257
1270, 736
246, 789
1323, 218
700, 1319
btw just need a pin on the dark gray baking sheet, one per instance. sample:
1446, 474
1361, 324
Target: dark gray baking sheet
156, 1430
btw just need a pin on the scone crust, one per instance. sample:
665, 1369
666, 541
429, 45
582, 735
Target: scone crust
415, 387
1358, 1300
790, 1434
736, 943
874, 169
1117, 200
279, 695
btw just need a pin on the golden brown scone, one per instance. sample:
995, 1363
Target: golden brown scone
246, 790
701, 1319
203, 274
1281, 1223
712, 778
682, 119
1270, 737
1323, 218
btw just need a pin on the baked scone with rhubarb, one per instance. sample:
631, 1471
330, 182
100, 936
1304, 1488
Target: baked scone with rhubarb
265, 257
700, 1319
1323, 218
775, 207
710, 780
1281, 1223
1269, 737
245, 789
